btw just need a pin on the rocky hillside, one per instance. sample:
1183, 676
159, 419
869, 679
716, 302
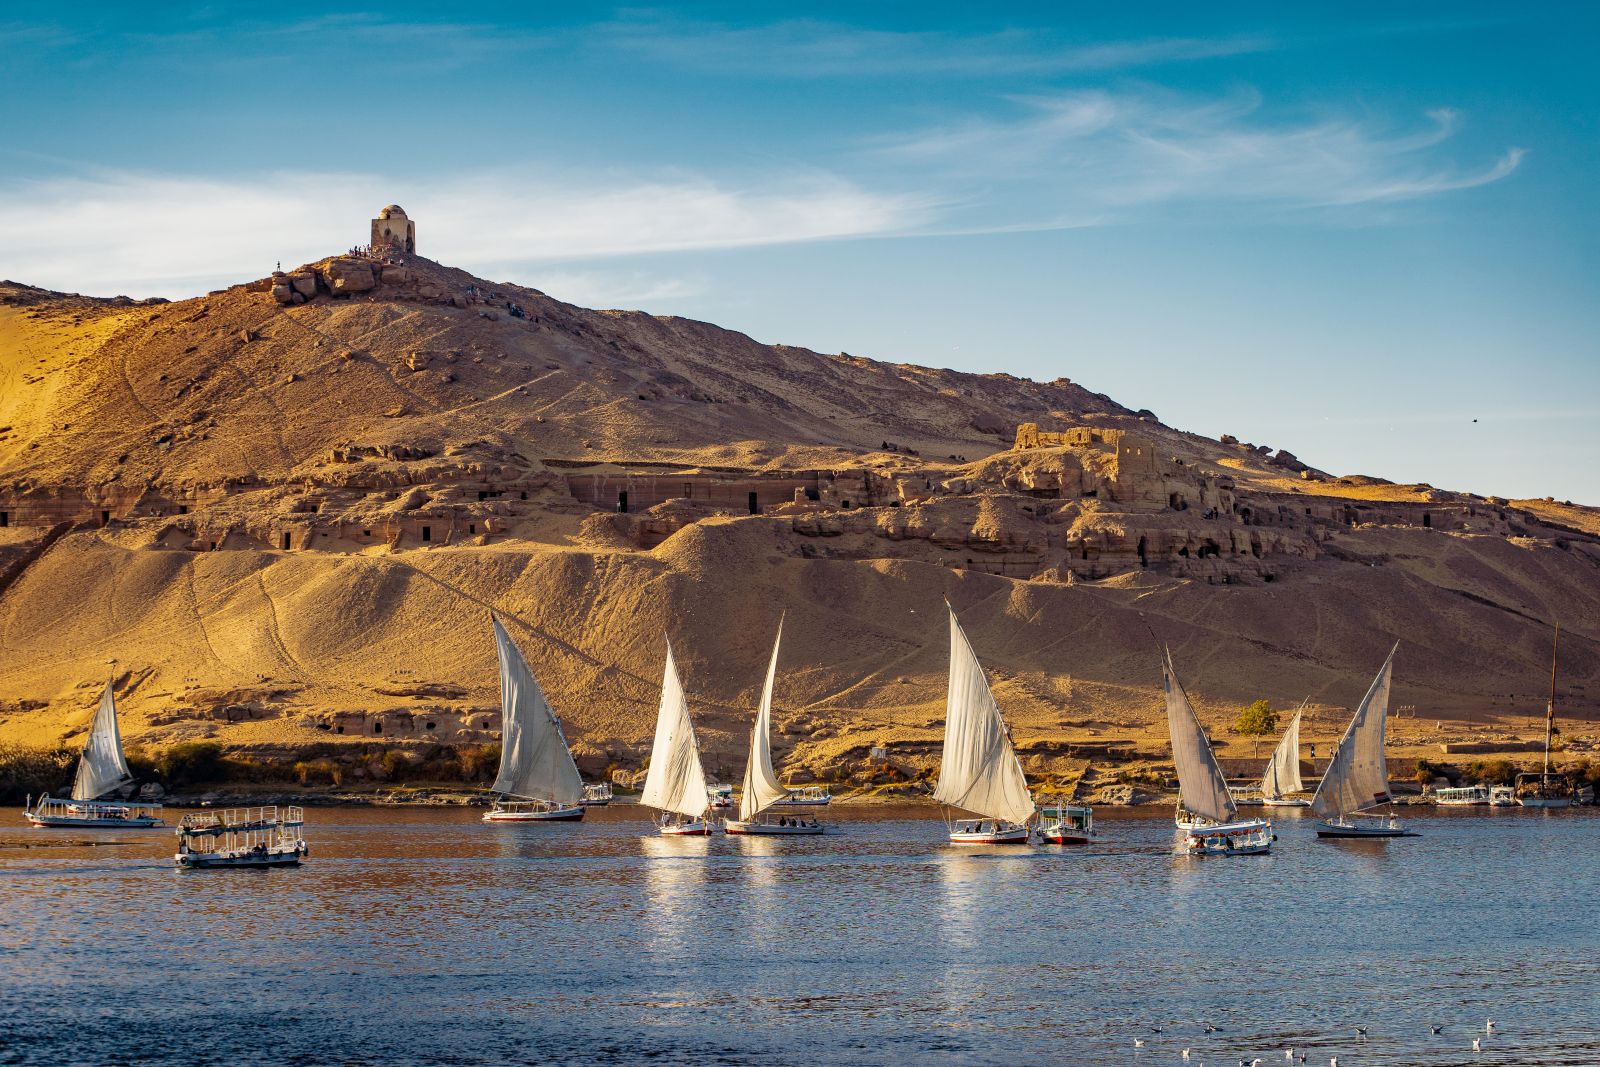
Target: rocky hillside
281, 513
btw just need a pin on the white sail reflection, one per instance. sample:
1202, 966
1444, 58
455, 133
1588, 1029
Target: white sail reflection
678, 909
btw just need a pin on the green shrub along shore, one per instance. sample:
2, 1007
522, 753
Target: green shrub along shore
187, 767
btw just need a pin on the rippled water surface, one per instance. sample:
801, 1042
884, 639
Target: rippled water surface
425, 936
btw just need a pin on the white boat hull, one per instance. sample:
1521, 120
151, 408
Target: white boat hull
93, 822
195, 861
820, 802
1381, 827
697, 828
1548, 803
1069, 837
1286, 802
785, 828
994, 835
572, 814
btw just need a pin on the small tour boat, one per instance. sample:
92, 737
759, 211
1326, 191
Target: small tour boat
92, 814
811, 796
1363, 824
597, 795
1207, 812
978, 769
537, 781
1242, 838
1067, 824
1543, 791
676, 783
1502, 796
989, 832
1357, 778
762, 791
773, 824
1546, 790
1465, 796
101, 769
242, 837
719, 797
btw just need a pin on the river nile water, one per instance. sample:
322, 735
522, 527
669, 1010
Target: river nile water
424, 936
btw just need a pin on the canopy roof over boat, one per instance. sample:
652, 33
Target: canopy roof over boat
535, 762
675, 781
1283, 769
1358, 776
979, 771
1202, 790
761, 786
102, 767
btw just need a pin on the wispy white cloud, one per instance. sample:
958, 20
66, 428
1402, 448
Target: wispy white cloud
1094, 157
171, 235
601, 288
1037, 162
815, 48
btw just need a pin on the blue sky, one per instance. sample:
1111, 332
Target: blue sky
1345, 230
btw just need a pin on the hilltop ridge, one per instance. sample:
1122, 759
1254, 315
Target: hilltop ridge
284, 510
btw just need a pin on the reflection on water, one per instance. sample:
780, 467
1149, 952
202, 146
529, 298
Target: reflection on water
422, 936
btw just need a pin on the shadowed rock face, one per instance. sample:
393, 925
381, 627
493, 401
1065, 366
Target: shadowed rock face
307, 492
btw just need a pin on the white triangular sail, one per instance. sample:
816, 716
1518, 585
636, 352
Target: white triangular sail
675, 781
1283, 770
761, 786
1358, 776
979, 771
102, 767
1202, 790
535, 762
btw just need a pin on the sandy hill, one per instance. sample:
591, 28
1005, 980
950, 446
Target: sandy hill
281, 513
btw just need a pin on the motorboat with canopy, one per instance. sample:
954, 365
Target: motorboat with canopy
1207, 812
1061, 823
979, 771
538, 780
102, 769
267, 836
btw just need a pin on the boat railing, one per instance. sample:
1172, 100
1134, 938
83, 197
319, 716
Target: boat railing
234, 820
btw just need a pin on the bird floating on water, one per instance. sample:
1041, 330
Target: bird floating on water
1435, 1029
1138, 1042
1488, 1027
1185, 1053
1288, 1053
1476, 1045
1361, 1031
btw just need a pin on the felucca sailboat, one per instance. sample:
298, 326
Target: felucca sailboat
101, 769
979, 771
761, 786
676, 784
1282, 776
538, 781
1206, 809
1357, 777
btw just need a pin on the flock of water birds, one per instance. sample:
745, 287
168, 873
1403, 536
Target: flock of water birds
1294, 1055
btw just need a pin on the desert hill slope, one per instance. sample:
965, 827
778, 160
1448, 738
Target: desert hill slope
281, 513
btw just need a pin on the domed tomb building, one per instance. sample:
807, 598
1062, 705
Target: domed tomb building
393, 230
